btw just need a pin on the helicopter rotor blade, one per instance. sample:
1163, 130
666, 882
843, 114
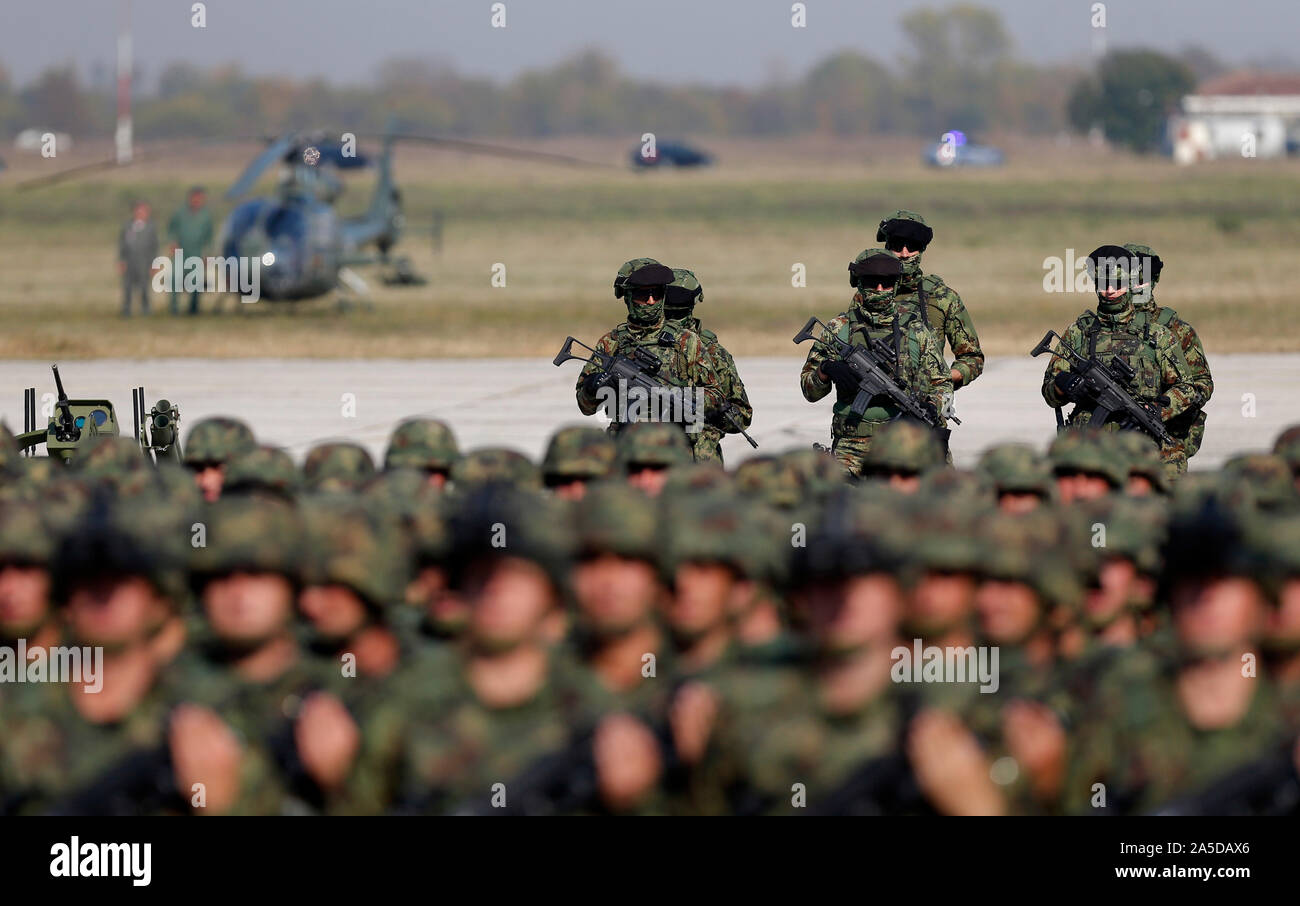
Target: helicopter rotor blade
471, 147
274, 152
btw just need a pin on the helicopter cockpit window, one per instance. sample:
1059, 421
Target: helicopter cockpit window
286, 222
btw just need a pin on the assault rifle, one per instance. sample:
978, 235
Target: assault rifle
874, 371
1106, 385
640, 371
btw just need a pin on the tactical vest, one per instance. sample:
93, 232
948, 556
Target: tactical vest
895, 339
1133, 342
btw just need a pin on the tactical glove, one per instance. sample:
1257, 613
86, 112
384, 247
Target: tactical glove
1069, 385
841, 375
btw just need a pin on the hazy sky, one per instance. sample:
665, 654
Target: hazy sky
715, 41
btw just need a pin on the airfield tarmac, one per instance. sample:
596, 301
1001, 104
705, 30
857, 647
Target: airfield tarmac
517, 403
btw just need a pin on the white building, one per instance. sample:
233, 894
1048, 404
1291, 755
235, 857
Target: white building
1242, 114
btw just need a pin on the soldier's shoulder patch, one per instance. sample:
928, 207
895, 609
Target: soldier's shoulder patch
1167, 316
709, 336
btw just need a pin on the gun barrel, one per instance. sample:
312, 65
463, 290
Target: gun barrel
58, 384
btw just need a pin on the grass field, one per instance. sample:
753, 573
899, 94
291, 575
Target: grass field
1228, 232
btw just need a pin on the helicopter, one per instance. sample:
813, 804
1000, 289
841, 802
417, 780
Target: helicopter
75, 423
304, 248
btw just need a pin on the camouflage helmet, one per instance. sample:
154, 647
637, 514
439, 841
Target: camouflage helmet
905, 225
489, 465
1017, 469
1267, 478
874, 263
615, 518
346, 543
1019, 548
1134, 529
1113, 265
1088, 450
771, 479
1143, 458
11, 461
1144, 252
946, 533
701, 527
337, 466
501, 520
969, 488
422, 443
249, 534
819, 472
26, 538
578, 451
262, 468
124, 537
215, 440
903, 446
699, 476
684, 293
846, 539
652, 444
1287, 446
110, 457
620, 279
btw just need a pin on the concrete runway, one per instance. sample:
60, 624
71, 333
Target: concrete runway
517, 403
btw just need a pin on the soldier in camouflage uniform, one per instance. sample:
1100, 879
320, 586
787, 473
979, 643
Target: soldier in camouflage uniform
1146, 473
1266, 479
510, 702
917, 357
1190, 426
337, 467
577, 456
1287, 446
1022, 477
64, 742
901, 452
1162, 378
262, 470
684, 293
1086, 464
209, 445
647, 452
26, 546
426, 444
907, 235
685, 361
788, 737
1209, 709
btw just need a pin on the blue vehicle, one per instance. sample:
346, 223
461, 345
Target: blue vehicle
955, 150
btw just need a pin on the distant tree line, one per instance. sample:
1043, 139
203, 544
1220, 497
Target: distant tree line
956, 70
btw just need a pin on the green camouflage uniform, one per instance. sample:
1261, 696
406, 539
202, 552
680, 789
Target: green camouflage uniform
918, 363
1162, 376
1189, 427
683, 295
939, 306
683, 354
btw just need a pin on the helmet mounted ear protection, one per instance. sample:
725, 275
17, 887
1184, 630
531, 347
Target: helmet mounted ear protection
901, 228
874, 266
